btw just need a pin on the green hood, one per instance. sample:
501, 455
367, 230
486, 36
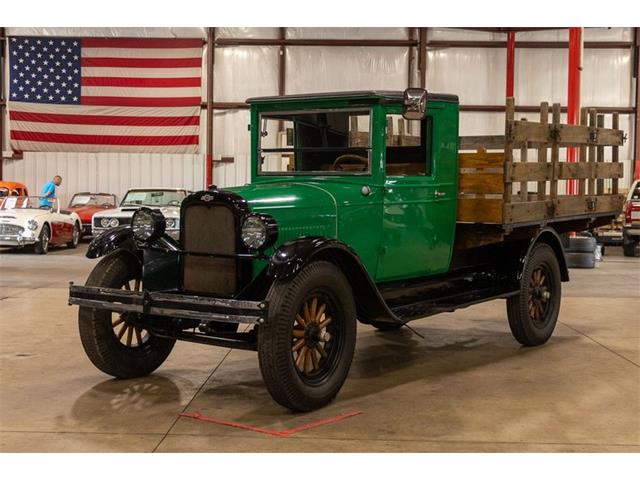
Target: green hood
301, 209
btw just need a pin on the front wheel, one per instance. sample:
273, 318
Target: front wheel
533, 312
116, 343
306, 347
42, 245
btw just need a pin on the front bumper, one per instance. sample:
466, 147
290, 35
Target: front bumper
86, 229
171, 305
95, 231
15, 241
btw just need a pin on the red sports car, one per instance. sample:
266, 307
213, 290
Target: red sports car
85, 204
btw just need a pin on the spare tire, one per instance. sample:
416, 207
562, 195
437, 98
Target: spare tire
582, 244
581, 260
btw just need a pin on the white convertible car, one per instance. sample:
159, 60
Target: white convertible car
167, 200
38, 222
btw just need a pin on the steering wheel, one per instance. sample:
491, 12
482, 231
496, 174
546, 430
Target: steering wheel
351, 160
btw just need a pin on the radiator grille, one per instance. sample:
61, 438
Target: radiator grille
209, 229
10, 229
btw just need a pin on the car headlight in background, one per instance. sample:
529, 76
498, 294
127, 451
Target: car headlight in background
259, 231
107, 222
32, 225
148, 225
172, 223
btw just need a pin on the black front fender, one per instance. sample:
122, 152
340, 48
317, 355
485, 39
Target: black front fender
111, 240
293, 256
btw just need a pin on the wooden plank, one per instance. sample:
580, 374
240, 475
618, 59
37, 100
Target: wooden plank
592, 149
520, 212
508, 147
610, 137
582, 153
480, 210
524, 131
572, 135
615, 123
583, 170
524, 186
475, 142
600, 156
531, 172
481, 183
555, 153
571, 205
481, 160
542, 151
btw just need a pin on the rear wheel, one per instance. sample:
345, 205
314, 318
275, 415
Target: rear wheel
116, 343
75, 236
306, 348
42, 245
533, 312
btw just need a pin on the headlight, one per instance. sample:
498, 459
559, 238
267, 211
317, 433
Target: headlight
148, 225
113, 222
171, 223
104, 222
259, 231
32, 225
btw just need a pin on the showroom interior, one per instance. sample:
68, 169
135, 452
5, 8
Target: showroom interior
454, 379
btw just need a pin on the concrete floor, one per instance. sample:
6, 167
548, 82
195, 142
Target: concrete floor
468, 386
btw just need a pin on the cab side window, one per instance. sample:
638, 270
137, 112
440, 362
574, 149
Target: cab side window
408, 151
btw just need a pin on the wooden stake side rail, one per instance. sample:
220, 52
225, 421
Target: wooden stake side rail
487, 179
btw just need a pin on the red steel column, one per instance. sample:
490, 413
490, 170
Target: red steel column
576, 47
211, 31
511, 63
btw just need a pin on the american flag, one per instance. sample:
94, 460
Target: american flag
105, 94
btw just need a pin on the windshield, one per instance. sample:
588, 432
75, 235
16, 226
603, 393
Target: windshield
83, 199
8, 203
315, 142
154, 198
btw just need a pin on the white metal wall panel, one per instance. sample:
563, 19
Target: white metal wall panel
131, 32
330, 69
106, 172
243, 72
350, 33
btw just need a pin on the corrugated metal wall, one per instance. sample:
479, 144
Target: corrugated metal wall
477, 75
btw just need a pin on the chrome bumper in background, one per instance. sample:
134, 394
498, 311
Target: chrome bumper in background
171, 305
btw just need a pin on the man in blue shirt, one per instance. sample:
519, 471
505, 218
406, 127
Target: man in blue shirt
49, 191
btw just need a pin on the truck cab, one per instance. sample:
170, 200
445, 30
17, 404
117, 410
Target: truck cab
353, 214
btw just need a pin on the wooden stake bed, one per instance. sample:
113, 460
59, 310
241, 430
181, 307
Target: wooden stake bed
494, 189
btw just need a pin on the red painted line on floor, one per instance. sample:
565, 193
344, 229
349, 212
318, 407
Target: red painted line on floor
266, 431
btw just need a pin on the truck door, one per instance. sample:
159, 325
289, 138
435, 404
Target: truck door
420, 194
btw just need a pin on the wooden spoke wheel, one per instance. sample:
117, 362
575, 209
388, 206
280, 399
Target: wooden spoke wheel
117, 344
533, 311
312, 336
124, 325
306, 346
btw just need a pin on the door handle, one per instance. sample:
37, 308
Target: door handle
366, 191
439, 194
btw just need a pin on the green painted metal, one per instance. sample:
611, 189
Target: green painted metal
402, 229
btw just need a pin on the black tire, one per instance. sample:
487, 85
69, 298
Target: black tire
582, 244
75, 237
629, 249
286, 378
386, 327
532, 313
41, 247
580, 260
97, 330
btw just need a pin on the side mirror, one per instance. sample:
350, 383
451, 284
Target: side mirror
415, 104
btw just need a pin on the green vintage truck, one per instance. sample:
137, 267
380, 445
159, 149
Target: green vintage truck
362, 207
